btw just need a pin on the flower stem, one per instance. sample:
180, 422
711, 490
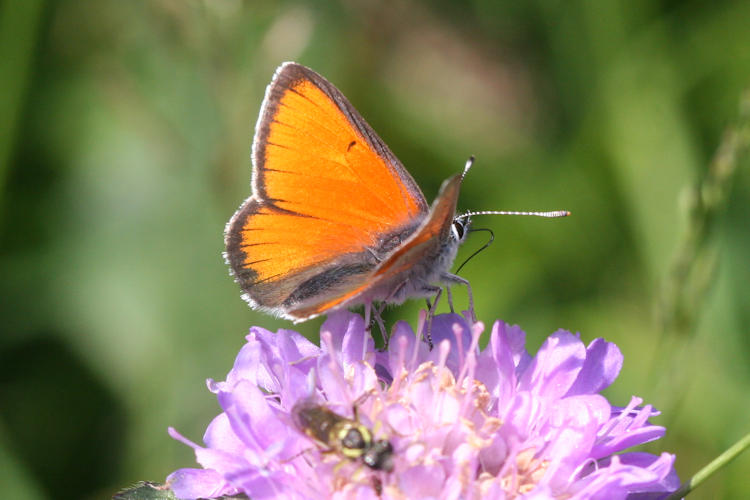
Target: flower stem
730, 454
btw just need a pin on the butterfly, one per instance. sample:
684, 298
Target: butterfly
334, 219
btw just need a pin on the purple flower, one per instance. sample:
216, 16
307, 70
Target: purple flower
462, 423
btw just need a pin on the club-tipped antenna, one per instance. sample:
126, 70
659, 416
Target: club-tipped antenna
553, 214
468, 165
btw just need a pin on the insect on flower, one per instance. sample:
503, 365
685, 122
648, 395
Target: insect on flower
341, 435
462, 422
334, 219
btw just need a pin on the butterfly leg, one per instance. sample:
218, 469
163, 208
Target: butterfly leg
368, 327
438, 291
378, 317
369, 320
378, 312
372, 317
458, 280
450, 299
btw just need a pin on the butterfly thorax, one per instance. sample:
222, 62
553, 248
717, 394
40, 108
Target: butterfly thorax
423, 267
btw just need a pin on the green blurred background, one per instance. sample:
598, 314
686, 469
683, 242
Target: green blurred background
125, 132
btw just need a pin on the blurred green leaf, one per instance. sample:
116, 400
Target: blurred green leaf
154, 491
145, 491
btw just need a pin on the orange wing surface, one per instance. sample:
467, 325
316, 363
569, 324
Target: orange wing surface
329, 198
425, 245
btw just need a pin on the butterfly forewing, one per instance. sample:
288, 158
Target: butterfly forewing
328, 198
404, 266
311, 157
424, 245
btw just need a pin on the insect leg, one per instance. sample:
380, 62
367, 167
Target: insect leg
378, 312
378, 317
431, 312
458, 280
368, 327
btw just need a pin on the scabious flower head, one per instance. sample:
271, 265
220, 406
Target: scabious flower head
463, 423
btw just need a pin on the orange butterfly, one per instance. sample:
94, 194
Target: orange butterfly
335, 219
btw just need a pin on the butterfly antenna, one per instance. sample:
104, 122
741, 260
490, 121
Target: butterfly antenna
483, 247
555, 213
468, 165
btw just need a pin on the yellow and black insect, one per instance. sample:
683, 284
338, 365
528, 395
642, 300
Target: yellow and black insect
344, 436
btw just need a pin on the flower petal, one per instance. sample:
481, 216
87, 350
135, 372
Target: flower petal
601, 368
555, 367
190, 484
454, 422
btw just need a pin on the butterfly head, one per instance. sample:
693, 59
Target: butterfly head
460, 228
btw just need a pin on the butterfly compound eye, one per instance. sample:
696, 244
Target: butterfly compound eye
458, 228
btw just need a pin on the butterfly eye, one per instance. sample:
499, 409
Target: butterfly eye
458, 228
